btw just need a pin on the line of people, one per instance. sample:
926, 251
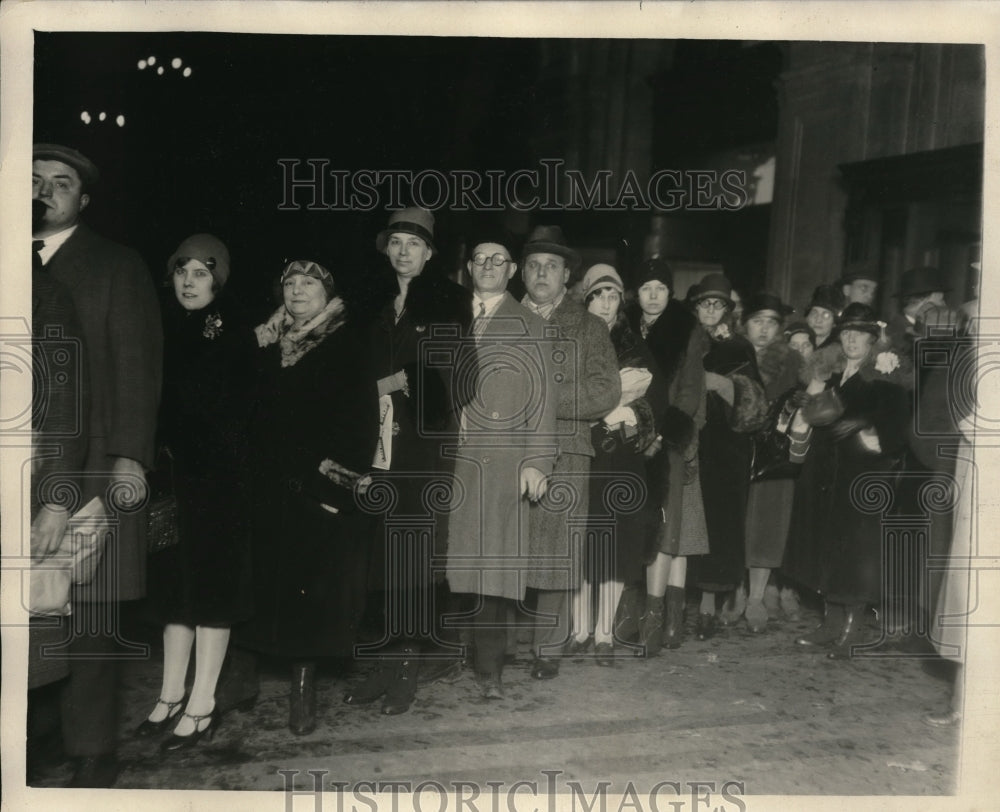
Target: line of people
471, 461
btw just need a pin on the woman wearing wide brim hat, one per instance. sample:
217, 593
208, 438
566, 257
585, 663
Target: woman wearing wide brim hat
834, 544
735, 406
769, 504
419, 410
677, 343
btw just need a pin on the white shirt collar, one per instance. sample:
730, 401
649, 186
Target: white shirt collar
54, 242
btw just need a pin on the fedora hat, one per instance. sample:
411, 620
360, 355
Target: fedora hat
550, 240
713, 286
761, 302
413, 220
857, 316
84, 167
921, 281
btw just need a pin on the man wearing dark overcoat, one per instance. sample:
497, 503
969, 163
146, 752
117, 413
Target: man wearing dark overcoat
589, 387
116, 303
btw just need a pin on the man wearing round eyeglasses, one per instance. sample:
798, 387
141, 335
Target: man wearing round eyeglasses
119, 316
506, 451
588, 386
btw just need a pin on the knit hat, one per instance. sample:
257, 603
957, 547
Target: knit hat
601, 276
414, 220
208, 250
307, 267
654, 269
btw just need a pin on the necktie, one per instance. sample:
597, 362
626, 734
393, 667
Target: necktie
479, 322
36, 256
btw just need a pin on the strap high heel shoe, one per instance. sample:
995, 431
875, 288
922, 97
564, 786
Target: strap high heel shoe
176, 742
148, 728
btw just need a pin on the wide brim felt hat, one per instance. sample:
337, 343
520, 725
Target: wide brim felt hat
413, 220
762, 301
550, 240
859, 317
921, 281
600, 276
85, 168
713, 286
208, 250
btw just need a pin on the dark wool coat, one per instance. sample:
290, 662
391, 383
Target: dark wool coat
834, 547
308, 562
589, 387
119, 314
510, 424
210, 362
677, 344
424, 343
59, 411
724, 460
620, 499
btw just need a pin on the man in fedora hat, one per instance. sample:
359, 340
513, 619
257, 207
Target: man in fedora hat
589, 387
860, 285
921, 306
119, 316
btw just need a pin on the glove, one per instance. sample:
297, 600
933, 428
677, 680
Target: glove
842, 429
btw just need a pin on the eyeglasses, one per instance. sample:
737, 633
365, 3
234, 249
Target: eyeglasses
711, 304
498, 260
208, 262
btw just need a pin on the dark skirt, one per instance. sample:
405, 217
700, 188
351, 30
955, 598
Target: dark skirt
309, 567
621, 531
769, 512
204, 579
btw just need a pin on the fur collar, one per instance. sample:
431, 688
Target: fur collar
294, 341
668, 337
778, 365
431, 298
882, 364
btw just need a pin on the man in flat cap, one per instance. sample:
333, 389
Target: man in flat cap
116, 302
589, 387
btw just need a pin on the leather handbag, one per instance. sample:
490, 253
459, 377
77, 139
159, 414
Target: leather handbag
769, 447
823, 409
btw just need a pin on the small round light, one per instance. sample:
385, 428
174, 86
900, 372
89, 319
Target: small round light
159, 71
151, 61
120, 121
142, 64
85, 117
187, 72
103, 116
175, 62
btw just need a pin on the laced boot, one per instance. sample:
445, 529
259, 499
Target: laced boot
651, 627
673, 629
828, 631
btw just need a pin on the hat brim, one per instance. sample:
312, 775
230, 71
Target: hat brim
382, 239
572, 257
714, 294
859, 326
84, 167
902, 294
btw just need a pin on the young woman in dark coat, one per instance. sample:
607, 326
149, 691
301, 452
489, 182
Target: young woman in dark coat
413, 307
313, 437
834, 547
200, 587
735, 407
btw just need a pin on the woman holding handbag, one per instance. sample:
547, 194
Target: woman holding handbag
619, 440
772, 486
858, 418
313, 436
200, 587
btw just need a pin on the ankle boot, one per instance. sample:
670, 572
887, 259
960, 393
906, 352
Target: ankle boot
627, 615
828, 631
850, 633
403, 687
673, 629
651, 627
302, 704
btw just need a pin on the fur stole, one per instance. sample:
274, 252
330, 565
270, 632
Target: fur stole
779, 366
668, 337
882, 364
296, 341
431, 298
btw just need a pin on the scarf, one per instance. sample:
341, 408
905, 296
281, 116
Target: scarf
296, 341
